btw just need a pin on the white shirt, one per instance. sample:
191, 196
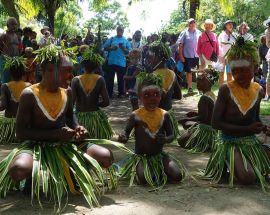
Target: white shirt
225, 42
248, 37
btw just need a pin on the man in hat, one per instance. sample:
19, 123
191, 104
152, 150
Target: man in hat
243, 31
225, 40
9, 46
187, 41
45, 31
208, 48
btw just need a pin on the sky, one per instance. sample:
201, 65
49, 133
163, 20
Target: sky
157, 13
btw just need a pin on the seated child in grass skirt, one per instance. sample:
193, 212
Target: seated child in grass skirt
237, 115
153, 129
87, 90
10, 96
132, 71
200, 136
51, 158
158, 56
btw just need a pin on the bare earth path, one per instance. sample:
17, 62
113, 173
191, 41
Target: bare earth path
189, 197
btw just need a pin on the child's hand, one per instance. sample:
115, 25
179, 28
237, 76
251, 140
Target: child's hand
122, 138
81, 133
257, 128
161, 139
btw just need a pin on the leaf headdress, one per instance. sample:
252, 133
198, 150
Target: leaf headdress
16, 61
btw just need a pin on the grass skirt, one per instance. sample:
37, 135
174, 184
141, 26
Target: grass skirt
153, 169
53, 164
252, 152
203, 138
176, 132
7, 130
97, 124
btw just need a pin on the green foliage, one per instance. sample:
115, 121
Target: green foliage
54, 53
92, 56
66, 20
252, 12
14, 61
147, 79
161, 50
109, 17
243, 50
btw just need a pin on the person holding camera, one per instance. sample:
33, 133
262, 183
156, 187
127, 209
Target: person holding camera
117, 47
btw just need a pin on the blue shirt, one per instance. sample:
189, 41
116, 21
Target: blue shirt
117, 57
189, 40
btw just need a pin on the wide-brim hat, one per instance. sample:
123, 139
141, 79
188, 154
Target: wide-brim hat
45, 28
209, 21
266, 23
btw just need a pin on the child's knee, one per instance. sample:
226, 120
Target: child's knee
20, 169
102, 155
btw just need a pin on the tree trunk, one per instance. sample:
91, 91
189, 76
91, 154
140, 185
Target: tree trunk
9, 5
193, 6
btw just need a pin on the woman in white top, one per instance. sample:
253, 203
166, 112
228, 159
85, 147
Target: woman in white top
267, 34
225, 41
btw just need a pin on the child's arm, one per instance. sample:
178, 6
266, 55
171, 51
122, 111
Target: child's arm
219, 123
3, 98
104, 94
168, 137
123, 138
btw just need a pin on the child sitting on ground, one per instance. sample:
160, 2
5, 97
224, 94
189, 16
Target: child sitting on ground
200, 136
153, 129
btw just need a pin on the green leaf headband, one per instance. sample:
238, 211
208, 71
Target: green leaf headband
149, 79
14, 61
92, 56
243, 50
161, 50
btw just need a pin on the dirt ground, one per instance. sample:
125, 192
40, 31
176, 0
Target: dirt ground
188, 197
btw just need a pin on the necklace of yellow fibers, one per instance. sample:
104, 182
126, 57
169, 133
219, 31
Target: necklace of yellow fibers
167, 76
245, 99
16, 88
52, 103
211, 95
88, 82
152, 119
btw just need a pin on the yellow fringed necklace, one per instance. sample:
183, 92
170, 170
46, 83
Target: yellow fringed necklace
245, 99
16, 88
52, 104
152, 119
167, 76
88, 82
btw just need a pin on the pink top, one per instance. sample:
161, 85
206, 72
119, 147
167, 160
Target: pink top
204, 46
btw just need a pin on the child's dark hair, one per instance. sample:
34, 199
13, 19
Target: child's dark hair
16, 72
90, 65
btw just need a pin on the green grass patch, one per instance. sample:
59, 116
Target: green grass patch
265, 108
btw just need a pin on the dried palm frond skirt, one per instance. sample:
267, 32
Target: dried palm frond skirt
7, 130
57, 169
176, 132
97, 124
203, 138
153, 169
252, 152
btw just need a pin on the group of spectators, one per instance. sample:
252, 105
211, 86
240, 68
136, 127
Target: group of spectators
192, 48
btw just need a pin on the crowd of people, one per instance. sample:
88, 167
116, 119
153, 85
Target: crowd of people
53, 93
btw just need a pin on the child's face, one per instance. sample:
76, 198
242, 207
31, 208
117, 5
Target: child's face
28, 54
202, 83
243, 75
150, 97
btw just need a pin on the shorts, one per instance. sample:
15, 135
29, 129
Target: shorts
190, 63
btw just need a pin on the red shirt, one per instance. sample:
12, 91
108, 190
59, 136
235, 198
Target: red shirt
205, 47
